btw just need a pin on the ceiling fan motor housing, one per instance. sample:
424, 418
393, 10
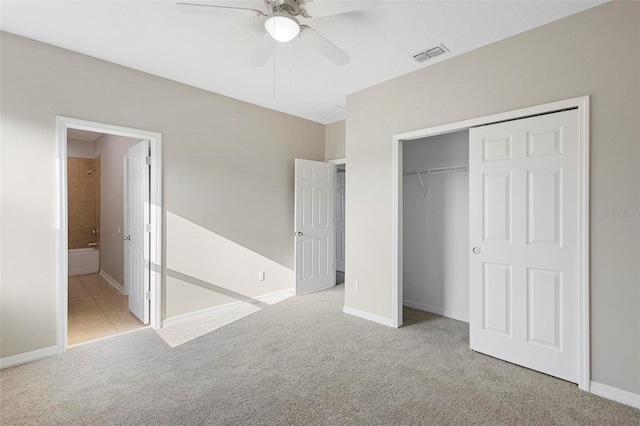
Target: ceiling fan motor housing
280, 19
291, 7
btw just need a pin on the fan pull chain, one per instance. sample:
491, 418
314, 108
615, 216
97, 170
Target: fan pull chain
289, 82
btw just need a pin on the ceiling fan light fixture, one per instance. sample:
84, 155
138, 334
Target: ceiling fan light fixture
282, 28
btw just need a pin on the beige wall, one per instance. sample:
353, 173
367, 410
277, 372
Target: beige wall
596, 53
334, 137
227, 176
111, 150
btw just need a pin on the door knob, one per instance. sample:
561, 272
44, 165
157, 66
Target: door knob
476, 250
127, 237
300, 234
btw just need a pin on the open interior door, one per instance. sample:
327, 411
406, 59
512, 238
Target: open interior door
314, 265
340, 220
524, 181
136, 238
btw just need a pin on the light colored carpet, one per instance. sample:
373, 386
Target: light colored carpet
299, 362
185, 330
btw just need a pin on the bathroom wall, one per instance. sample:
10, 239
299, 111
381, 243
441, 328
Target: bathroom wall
111, 150
86, 192
80, 149
84, 201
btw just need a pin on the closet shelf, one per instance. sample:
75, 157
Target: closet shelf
438, 170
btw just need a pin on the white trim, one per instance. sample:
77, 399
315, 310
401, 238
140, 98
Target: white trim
615, 394
112, 281
155, 244
396, 234
338, 161
582, 103
12, 361
585, 283
368, 316
456, 315
63, 243
253, 300
155, 255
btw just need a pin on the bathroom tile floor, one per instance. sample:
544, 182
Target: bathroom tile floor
96, 310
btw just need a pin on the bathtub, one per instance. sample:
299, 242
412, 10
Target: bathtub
84, 261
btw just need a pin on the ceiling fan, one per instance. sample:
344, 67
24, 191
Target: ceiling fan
282, 24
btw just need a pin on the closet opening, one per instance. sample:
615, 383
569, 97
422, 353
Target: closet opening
528, 252
435, 215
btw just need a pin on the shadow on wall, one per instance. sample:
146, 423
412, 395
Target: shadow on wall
205, 269
188, 328
214, 288
244, 193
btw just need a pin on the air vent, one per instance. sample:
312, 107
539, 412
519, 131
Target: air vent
429, 53
421, 57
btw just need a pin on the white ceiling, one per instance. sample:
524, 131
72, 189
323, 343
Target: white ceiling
213, 52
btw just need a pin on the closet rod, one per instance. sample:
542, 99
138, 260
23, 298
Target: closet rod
437, 170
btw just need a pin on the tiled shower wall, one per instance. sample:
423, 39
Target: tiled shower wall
84, 201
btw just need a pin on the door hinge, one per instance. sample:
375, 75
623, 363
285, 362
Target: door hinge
147, 295
147, 227
147, 160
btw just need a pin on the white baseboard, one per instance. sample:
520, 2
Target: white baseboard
615, 394
12, 361
258, 299
111, 281
368, 316
87, 270
460, 316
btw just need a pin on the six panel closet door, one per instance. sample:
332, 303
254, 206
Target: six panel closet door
524, 264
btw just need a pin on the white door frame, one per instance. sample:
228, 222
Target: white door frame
582, 104
155, 255
340, 162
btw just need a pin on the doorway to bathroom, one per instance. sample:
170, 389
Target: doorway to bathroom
98, 301
109, 230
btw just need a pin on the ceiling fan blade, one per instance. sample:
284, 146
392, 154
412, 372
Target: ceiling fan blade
209, 9
324, 46
319, 8
264, 51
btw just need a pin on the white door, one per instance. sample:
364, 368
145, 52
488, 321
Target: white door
340, 220
524, 262
314, 226
136, 220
